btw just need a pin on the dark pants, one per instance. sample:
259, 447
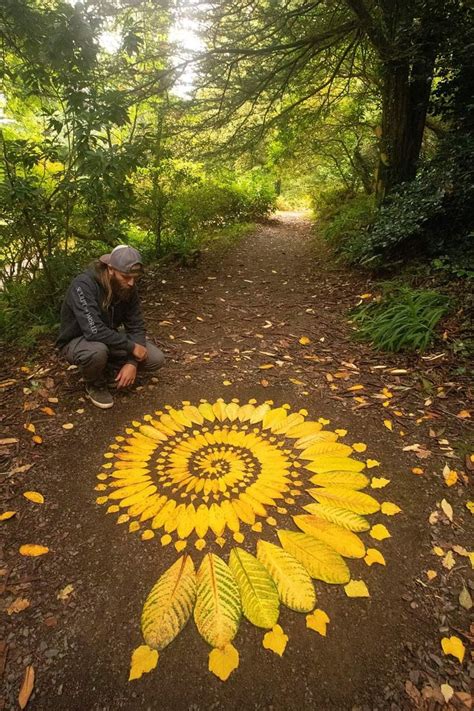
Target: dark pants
93, 357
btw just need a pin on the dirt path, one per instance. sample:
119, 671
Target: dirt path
222, 325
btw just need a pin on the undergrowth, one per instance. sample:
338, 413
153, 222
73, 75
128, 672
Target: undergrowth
402, 319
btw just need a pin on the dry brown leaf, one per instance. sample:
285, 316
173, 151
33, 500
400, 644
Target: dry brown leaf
447, 509
21, 603
8, 440
65, 592
26, 687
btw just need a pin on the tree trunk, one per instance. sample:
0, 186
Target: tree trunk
405, 97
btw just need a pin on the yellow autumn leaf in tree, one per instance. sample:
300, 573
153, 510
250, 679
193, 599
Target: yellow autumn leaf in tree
144, 659
379, 482
374, 556
317, 621
356, 588
379, 532
276, 640
389, 509
222, 662
7, 515
34, 496
33, 550
453, 646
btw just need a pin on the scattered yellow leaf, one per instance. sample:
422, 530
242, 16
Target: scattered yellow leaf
464, 414
295, 381
365, 296
448, 561
379, 532
30, 427
275, 640
165, 540
470, 506
431, 574
438, 551
450, 477
65, 592
34, 496
226, 382
304, 340
378, 482
342, 433
355, 388
68, 426
447, 691
266, 366
388, 424
359, 447
26, 687
417, 470
7, 515
147, 535
222, 662
389, 509
374, 556
454, 647
317, 621
144, 659
47, 411
18, 605
447, 509
372, 463
33, 550
37, 439
356, 588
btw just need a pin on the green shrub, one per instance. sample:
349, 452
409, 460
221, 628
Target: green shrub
345, 223
403, 319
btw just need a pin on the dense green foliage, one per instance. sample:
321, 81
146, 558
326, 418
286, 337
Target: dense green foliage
403, 319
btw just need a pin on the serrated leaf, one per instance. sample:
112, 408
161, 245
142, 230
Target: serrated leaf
343, 498
294, 584
258, 592
222, 662
143, 661
325, 448
356, 588
331, 463
276, 640
302, 429
321, 561
169, 604
349, 480
343, 541
343, 517
218, 608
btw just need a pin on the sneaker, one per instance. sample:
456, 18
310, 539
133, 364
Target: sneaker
99, 395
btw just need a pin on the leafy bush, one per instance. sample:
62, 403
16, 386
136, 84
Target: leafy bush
345, 221
403, 319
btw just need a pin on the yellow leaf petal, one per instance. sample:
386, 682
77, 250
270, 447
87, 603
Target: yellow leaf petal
304, 340
450, 477
437, 550
68, 426
317, 621
222, 662
372, 463
448, 561
356, 588
374, 556
389, 509
388, 424
470, 506
378, 482
454, 647
447, 691
431, 574
6, 515
147, 535
144, 659
165, 539
379, 532
342, 433
34, 496
359, 446
275, 640
33, 550
447, 509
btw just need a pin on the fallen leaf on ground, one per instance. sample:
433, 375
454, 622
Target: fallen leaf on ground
7, 515
26, 687
21, 603
465, 599
388, 424
470, 506
34, 496
371, 463
33, 550
378, 482
450, 477
389, 509
8, 440
437, 550
447, 692
37, 439
359, 447
464, 414
65, 592
417, 470
356, 588
304, 340
379, 532
317, 621
144, 659
447, 509
453, 646
30, 427
374, 556
266, 366
68, 426
47, 411
431, 574
222, 662
448, 561
275, 640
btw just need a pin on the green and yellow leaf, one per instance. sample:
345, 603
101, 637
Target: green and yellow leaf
343, 541
331, 463
343, 517
321, 561
294, 584
326, 448
218, 609
259, 595
349, 480
343, 498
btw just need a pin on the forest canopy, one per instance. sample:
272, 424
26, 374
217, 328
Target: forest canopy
362, 110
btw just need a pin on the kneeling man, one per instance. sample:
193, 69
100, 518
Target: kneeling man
98, 302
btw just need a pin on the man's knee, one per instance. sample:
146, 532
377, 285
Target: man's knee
97, 354
155, 359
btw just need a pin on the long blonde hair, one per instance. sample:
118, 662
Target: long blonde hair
103, 276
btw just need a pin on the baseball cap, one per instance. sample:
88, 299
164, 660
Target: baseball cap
124, 259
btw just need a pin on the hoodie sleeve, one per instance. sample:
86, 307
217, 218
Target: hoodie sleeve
82, 300
133, 322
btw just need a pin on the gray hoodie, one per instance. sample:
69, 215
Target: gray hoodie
82, 314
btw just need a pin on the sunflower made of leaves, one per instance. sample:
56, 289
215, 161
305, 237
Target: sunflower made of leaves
216, 474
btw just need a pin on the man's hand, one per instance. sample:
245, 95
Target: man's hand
126, 375
139, 352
